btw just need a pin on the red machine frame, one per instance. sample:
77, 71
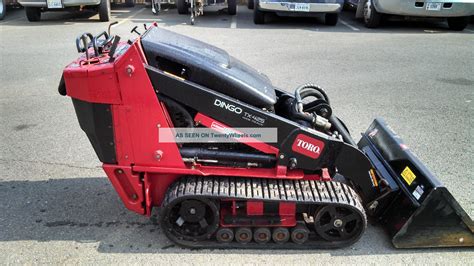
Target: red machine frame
145, 168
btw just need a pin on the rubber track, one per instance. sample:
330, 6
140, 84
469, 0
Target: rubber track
319, 193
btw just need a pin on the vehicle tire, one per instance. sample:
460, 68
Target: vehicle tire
3, 9
232, 7
330, 19
250, 4
372, 18
182, 7
129, 3
258, 15
458, 23
104, 10
33, 13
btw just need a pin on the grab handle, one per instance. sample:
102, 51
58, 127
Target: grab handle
85, 43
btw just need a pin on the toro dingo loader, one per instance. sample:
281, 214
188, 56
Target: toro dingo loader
312, 187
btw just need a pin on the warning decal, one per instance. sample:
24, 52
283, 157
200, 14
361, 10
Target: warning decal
408, 175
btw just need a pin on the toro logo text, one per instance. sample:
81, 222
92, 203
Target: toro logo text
308, 146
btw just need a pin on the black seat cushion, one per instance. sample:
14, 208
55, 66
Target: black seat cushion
208, 66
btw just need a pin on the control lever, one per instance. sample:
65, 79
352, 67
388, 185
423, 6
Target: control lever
83, 38
85, 44
113, 48
110, 26
135, 30
98, 44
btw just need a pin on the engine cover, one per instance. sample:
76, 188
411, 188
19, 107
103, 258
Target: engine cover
208, 66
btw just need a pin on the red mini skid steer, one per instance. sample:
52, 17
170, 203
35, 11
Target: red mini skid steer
313, 187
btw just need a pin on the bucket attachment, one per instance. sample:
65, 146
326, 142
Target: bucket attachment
416, 209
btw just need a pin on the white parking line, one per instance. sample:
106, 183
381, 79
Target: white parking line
131, 17
349, 25
233, 21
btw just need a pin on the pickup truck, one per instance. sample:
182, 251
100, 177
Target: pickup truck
306, 8
456, 12
34, 8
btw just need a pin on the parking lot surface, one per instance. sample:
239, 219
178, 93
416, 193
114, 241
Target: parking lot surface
58, 206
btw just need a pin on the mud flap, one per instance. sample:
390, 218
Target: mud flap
411, 203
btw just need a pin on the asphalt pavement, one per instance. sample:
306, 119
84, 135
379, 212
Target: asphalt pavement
57, 206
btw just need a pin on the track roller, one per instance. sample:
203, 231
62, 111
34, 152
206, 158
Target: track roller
225, 235
262, 235
243, 235
280, 235
337, 223
300, 234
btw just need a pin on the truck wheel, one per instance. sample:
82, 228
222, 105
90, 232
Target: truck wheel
3, 9
33, 13
182, 7
129, 3
372, 18
330, 19
458, 23
258, 15
250, 4
232, 7
104, 10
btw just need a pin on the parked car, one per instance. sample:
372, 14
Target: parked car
3, 9
34, 8
330, 8
456, 12
3, 6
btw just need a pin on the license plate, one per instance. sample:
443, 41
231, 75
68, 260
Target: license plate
54, 4
433, 6
299, 7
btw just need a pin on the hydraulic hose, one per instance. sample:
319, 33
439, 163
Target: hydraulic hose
310, 89
346, 136
302, 92
303, 116
299, 90
309, 93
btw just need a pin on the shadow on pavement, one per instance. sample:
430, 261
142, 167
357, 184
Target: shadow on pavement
88, 210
